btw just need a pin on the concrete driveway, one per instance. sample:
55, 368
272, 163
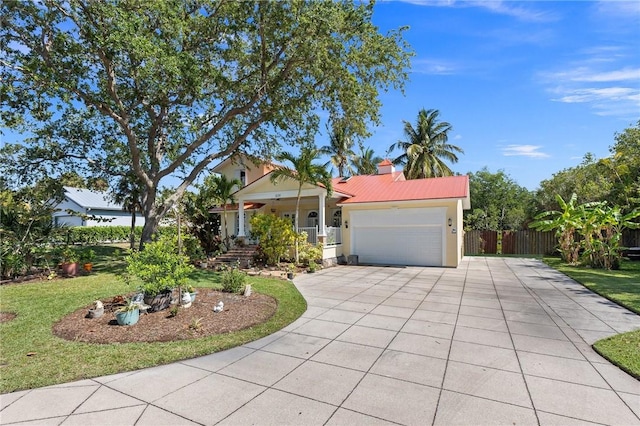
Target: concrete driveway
496, 341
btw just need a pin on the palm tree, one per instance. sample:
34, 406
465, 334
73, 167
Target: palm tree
303, 171
366, 163
426, 147
222, 190
128, 192
340, 148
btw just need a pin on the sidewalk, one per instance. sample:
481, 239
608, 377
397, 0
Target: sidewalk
496, 341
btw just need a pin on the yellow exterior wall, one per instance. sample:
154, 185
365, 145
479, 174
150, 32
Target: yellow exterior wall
252, 171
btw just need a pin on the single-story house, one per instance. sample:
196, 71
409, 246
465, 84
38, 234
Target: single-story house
382, 218
84, 207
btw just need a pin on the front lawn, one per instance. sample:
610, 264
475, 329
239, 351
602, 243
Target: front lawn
623, 287
31, 356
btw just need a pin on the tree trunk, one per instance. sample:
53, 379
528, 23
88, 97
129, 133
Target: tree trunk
295, 221
226, 231
150, 227
132, 234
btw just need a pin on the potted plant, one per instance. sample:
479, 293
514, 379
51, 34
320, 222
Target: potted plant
87, 257
157, 270
290, 269
69, 261
128, 314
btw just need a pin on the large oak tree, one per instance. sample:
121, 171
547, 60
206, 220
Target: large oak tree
163, 88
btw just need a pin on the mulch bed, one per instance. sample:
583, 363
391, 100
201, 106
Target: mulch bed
194, 322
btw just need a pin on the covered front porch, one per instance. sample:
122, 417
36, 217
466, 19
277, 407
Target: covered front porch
319, 216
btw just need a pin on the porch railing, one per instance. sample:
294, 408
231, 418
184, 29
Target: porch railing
312, 233
334, 236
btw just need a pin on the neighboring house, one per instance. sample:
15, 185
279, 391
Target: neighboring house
382, 218
84, 207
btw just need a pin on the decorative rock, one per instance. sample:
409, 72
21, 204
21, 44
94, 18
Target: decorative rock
186, 299
247, 290
138, 299
219, 307
97, 311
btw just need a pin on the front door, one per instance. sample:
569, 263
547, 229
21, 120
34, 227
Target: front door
291, 216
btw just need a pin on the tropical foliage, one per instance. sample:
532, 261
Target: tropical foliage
593, 229
615, 179
128, 193
203, 225
340, 148
164, 88
220, 189
366, 162
159, 267
565, 223
27, 229
304, 171
498, 203
275, 237
426, 147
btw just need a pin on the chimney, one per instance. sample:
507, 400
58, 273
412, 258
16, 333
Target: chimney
386, 167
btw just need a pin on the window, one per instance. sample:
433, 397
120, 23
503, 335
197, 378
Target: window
312, 219
336, 220
243, 177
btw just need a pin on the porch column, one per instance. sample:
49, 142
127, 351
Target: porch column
321, 225
241, 217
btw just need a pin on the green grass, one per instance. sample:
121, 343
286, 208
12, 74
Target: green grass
39, 305
623, 287
623, 350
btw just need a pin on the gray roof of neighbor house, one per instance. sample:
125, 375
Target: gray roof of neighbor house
91, 199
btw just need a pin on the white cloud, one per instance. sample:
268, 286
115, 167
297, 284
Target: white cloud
434, 67
499, 7
618, 9
607, 89
587, 74
613, 94
531, 151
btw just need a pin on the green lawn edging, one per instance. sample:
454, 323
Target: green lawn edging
31, 356
621, 286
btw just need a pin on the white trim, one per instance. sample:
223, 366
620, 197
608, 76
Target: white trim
322, 216
241, 218
392, 204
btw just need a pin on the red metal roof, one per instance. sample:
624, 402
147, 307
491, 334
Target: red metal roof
393, 187
385, 162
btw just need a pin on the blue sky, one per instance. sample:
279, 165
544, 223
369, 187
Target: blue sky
529, 87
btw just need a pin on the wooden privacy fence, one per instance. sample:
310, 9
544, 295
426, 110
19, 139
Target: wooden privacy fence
526, 242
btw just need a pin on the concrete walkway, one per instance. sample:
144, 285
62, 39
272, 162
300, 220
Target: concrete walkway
496, 341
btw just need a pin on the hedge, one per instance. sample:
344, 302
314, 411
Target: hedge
88, 235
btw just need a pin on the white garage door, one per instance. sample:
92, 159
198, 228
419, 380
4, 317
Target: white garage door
398, 236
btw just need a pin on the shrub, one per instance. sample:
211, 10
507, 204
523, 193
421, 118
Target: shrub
158, 268
307, 252
274, 234
233, 280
